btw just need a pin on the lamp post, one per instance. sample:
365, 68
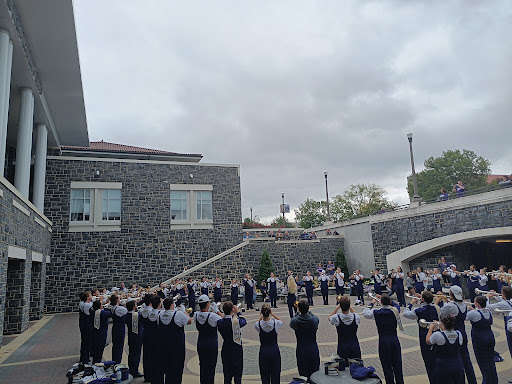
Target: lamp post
282, 208
416, 197
328, 218
251, 214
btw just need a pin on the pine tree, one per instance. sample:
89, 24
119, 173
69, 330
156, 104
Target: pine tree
266, 267
341, 262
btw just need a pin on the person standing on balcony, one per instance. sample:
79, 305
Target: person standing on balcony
459, 188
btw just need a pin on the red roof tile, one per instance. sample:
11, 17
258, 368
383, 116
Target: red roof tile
103, 146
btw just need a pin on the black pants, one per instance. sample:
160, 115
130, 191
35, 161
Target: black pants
291, 301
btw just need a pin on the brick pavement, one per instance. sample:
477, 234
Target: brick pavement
46, 354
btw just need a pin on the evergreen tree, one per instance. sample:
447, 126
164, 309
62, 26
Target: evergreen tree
341, 262
266, 267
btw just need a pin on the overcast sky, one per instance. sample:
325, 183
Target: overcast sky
288, 89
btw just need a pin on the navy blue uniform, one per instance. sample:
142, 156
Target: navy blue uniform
134, 342
359, 289
191, 296
455, 280
232, 353
483, 346
207, 346
85, 326
99, 336
308, 357
272, 291
348, 344
436, 283
472, 284
118, 332
324, 289
309, 291
217, 293
390, 352
448, 364
249, 292
377, 285
269, 356
340, 289
400, 293
234, 294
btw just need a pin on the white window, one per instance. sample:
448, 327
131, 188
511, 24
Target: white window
95, 206
204, 205
179, 205
80, 205
191, 206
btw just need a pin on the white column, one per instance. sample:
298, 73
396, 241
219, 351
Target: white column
5, 90
24, 143
40, 167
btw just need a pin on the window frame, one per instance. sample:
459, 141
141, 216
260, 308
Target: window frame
96, 222
192, 221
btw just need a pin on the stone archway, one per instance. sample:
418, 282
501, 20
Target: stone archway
404, 255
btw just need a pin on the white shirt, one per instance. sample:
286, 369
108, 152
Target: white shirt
250, 282
201, 317
482, 280
436, 276
359, 277
84, 307
119, 310
451, 308
233, 285
346, 318
307, 278
509, 324
475, 315
323, 278
453, 275
501, 304
378, 278
420, 277
204, 284
153, 315
368, 312
340, 276
272, 279
145, 310
399, 275
267, 326
180, 319
217, 284
452, 336
411, 313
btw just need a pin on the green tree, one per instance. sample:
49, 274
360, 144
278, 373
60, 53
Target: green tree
278, 222
359, 200
311, 213
341, 262
447, 170
266, 267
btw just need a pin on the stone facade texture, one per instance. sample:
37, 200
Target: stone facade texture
19, 230
298, 257
393, 235
147, 249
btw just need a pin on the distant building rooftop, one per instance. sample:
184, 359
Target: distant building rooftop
112, 150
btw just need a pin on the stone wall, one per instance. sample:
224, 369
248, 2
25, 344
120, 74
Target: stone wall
146, 250
390, 236
24, 229
298, 256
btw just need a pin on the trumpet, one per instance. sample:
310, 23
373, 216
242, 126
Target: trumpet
296, 304
411, 296
503, 312
177, 297
480, 292
373, 297
338, 298
426, 324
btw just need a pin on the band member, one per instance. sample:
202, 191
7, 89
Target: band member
146, 309
308, 281
249, 284
305, 326
232, 352
454, 275
339, 282
447, 344
429, 312
500, 277
100, 318
419, 279
152, 345
171, 340
443, 266
378, 279
207, 340
390, 283
133, 321
118, 328
269, 355
234, 291
191, 288
324, 287
85, 326
504, 303
182, 290
217, 289
483, 339
472, 276
399, 282
292, 294
482, 280
358, 278
436, 280
205, 285
457, 308
346, 325
272, 289
387, 318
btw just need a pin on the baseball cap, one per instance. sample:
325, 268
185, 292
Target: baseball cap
457, 291
453, 266
203, 299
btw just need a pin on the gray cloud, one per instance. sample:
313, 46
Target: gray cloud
288, 89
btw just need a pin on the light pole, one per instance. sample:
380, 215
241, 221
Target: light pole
415, 198
251, 214
328, 218
282, 208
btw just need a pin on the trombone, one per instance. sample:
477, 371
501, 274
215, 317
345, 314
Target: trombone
373, 297
426, 324
480, 292
503, 312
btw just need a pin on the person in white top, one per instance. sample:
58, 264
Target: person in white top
358, 279
447, 343
269, 355
272, 289
207, 340
482, 280
346, 324
339, 282
308, 281
171, 336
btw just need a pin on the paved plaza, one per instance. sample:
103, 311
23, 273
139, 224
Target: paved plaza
45, 352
